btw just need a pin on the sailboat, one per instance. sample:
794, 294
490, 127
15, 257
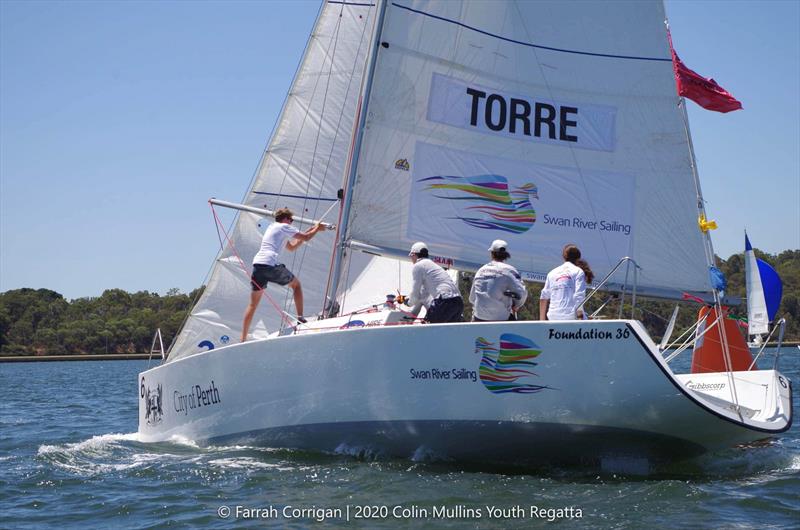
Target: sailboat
455, 124
764, 291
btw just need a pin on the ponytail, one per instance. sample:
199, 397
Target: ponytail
587, 270
572, 254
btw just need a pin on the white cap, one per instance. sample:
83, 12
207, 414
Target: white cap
498, 244
417, 247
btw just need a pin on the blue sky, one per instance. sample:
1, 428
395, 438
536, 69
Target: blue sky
118, 120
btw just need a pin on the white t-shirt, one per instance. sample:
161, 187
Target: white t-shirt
565, 287
429, 281
275, 237
487, 294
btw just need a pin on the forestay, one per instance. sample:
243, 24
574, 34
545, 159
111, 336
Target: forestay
542, 123
302, 168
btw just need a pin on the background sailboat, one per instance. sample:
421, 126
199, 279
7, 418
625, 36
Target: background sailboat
764, 292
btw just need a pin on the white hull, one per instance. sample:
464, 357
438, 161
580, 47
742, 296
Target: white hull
405, 388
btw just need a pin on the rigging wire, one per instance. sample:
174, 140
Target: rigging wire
337, 130
340, 233
330, 57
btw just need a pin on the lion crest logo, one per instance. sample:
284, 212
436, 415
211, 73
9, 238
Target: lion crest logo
153, 405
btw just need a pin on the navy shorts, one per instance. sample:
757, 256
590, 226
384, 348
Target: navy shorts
445, 310
263, 274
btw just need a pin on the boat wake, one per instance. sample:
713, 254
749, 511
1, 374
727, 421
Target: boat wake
126, 453
754, 463
97, 455
119, 453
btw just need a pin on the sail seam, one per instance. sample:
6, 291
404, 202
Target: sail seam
362, 4
530, 44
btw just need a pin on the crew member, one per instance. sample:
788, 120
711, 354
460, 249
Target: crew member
266, 267
432, 287
565, 287
497, 290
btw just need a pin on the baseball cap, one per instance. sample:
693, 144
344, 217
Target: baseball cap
417, 247
498, 244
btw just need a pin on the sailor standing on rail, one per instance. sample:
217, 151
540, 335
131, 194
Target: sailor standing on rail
266, 267
497, 290
432, 287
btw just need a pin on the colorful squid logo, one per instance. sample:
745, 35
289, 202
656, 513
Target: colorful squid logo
502, 368
491, 204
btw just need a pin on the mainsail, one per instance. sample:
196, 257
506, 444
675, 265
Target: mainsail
501, 119
302, 169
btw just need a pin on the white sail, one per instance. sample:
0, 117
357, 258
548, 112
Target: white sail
381, 277
491, 119
757, 319
302, 169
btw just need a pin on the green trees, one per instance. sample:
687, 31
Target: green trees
40, 321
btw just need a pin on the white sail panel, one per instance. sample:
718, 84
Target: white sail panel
302, 169
462, 192
606, 142
381, 277
757, 319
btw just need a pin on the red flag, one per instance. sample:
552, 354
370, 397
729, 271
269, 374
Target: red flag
692, 298
705, 92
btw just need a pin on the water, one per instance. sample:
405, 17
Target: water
69, 456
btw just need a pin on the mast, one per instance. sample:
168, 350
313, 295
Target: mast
344, 223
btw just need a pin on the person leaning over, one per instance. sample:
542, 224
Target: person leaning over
497, 289
432, 287
266, 268
565, 287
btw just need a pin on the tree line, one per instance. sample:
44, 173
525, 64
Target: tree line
42, 322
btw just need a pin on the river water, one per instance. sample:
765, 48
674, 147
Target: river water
70, 457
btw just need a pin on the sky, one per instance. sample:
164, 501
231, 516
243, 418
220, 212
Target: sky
119, 120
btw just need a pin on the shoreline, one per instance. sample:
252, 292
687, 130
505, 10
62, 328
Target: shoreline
79, 357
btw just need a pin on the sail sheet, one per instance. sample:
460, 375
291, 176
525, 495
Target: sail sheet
541, 123
302, 169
